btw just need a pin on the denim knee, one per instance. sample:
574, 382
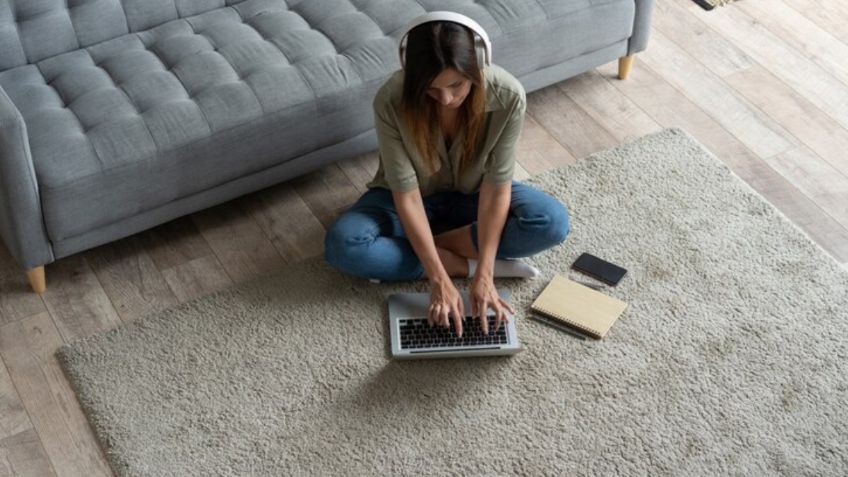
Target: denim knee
550, 227
341, 246
332, 247
559, 225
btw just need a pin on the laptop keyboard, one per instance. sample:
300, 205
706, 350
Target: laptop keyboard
416, 333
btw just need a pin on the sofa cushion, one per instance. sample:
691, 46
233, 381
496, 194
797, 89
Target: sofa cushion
80, 23
143, 119
539, 33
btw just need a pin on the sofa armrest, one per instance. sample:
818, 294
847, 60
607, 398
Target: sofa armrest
21, 220
641, 26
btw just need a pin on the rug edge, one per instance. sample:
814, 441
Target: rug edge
676, 130
116, 464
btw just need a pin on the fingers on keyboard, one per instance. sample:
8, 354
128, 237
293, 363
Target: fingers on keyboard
416, 334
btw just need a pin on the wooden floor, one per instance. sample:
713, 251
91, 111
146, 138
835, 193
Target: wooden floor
764, 85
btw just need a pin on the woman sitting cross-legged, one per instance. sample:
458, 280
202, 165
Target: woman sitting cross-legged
447, 126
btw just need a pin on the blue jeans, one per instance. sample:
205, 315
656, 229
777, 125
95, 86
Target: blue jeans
368, 239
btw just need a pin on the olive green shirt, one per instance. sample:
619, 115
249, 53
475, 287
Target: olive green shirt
402, 169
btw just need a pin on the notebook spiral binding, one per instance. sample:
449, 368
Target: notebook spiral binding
549, 314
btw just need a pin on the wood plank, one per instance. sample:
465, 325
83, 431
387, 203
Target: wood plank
668, 106
753, 128
175, 243
813, 42
238, 241
21, 452
17, 300
830, 15
713, 50
360, 170
28, 348
804, 120
327, 192
520, 173
13, 416
816, 178
614, 111
286, 219
130, 278
538, 151
77, 301
567, 122
810, 80
197, 277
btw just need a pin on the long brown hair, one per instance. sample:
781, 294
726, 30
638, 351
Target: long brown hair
430, 49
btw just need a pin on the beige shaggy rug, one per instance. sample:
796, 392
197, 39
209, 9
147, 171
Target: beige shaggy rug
730, 360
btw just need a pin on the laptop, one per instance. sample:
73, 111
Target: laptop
413, 338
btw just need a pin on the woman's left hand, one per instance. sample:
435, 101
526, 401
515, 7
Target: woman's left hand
483, 296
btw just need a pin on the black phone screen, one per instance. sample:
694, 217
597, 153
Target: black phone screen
595, 267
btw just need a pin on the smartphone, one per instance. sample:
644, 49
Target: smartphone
599, 268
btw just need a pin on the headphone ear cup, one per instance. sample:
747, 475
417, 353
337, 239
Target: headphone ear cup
480, 48
402, 52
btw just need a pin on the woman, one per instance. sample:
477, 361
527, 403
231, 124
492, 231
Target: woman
447, 128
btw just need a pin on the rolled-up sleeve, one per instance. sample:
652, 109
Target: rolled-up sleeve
398, 170
500, 165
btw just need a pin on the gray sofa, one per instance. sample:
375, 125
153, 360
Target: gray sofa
118, 115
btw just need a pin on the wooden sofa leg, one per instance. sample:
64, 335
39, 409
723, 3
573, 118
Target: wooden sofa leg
624, 65
36, 279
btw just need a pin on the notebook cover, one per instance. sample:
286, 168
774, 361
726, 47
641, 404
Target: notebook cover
579, 306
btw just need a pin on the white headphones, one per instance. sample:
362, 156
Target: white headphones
482, 45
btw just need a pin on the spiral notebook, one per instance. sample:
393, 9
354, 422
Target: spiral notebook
578, 306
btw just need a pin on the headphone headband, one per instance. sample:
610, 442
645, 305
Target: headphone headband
444, 16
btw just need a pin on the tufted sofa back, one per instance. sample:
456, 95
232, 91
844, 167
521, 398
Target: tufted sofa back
32, 30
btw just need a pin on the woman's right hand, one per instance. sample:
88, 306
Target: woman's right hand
445, 304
